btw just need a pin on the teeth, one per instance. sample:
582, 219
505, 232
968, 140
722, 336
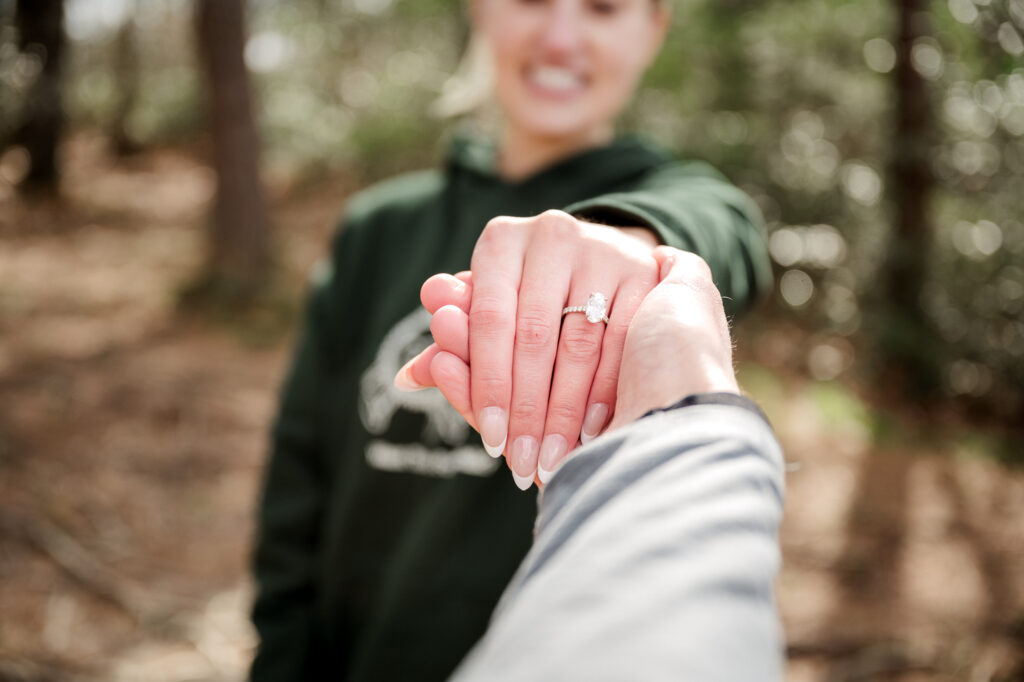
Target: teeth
555, 78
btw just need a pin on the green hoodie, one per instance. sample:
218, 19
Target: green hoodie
386, 534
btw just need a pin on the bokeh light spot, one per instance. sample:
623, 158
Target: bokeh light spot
880, 55
963, 11
371, 6
927, 58
796, 287
840, 303
861, 183
1009, 39
268, 51
824, 246
968, 378
826, 362
987, 237
89, 20
786, 247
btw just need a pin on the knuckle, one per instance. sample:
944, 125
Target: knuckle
491, 385
580, 344
555, 221
488, 318
697, 268
494, 239
497, 226
524, 410
563, 412
534, 331
555, 216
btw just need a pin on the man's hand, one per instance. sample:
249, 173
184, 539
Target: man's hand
678, 343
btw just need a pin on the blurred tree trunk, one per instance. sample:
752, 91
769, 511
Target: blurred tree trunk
40, 25
239, 246
126, 81
907, 333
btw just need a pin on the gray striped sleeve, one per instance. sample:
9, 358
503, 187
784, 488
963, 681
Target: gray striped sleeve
654, 559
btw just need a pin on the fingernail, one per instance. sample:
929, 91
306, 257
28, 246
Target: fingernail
522, 482
594, 421
666, 266
551, 453
493, 430
523, 461
404, 380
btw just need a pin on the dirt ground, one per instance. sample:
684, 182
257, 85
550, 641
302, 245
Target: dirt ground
132, 438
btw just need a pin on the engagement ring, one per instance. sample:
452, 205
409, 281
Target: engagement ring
596, 308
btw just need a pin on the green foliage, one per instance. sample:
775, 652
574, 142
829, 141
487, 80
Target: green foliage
794, 101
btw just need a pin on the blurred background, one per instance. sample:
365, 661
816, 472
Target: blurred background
170, 171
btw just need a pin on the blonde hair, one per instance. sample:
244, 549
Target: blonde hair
469, 88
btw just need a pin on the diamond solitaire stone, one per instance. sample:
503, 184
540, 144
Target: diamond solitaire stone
596, 308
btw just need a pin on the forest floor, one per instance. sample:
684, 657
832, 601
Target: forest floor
132, 437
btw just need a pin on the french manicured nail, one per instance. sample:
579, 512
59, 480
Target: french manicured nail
593, 422
523, 461
404, 380
493, 430
551, 453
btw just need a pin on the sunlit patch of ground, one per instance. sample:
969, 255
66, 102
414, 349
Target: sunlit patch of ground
132, 438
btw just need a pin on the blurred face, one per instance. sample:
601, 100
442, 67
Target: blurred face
565, 69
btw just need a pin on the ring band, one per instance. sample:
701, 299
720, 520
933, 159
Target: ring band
596, 308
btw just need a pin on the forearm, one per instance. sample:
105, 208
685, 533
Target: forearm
654, 558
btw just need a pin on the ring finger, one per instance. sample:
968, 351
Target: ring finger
579, 353
601, 402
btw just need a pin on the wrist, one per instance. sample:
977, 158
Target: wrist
667, 383
637, 410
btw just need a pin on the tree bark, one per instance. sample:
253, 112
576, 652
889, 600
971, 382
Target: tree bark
239, 234
911, 171
40, 25
907, 330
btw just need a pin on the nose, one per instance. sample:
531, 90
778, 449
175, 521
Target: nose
563, 32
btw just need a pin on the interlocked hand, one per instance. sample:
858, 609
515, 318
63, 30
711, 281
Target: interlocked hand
540, 382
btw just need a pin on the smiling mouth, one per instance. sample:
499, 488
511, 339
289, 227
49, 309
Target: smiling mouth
555, 80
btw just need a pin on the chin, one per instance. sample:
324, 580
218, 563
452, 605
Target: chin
558, 126
544, 117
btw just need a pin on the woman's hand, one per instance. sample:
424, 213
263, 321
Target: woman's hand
539, 383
